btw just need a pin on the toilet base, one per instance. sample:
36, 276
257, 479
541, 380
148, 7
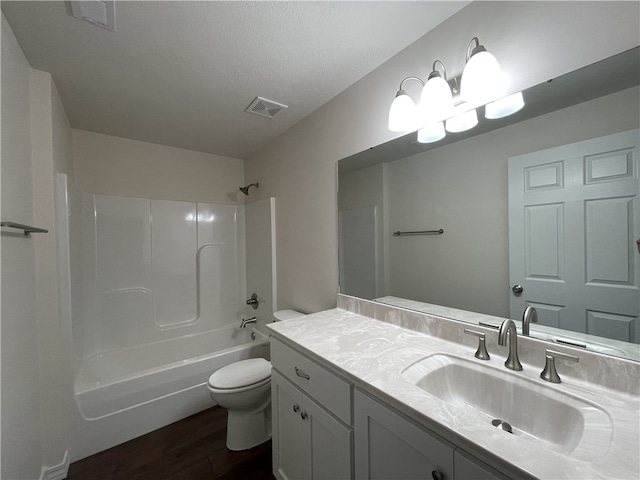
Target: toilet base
246, 430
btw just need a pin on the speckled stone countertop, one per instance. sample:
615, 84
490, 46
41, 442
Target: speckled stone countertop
372, 354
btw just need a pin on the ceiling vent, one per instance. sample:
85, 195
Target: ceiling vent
100, 13
264, 108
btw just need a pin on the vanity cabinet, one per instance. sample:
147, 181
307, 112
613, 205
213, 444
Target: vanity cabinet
324, 429
387, 445
311, 440
468, 468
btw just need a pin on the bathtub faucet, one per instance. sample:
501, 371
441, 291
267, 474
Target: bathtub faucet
246, 321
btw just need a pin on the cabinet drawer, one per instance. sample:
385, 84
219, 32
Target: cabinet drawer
324, 386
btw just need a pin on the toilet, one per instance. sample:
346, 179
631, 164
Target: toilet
244, 389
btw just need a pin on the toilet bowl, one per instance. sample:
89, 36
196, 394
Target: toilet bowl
244, 389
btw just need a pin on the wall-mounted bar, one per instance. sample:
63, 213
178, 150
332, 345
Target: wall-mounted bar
420, 232
28, 229
570, 343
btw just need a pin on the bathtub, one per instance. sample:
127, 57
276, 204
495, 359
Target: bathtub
125, 393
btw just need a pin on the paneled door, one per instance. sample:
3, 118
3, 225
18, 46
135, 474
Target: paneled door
573, 226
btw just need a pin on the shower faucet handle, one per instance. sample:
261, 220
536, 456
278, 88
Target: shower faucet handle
254, 301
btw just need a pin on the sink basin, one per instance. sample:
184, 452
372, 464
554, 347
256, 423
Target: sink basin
542, 414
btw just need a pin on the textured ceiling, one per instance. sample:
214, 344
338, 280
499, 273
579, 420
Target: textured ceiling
182, 73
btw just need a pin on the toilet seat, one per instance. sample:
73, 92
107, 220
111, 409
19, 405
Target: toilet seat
229, 391
241, 376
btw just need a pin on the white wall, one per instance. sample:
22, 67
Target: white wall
21, 425
36, 140
50, 142
261, 259
366, 188
462, 187
119, 166
533, 41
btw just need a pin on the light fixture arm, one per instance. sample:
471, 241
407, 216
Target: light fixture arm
434, 72
477, 49
401, 90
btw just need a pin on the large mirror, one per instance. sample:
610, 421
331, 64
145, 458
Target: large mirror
539, 208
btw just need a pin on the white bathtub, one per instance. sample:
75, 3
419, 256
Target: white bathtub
125, 393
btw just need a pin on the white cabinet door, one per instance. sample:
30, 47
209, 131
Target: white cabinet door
330, 444
308, 442
573, 224
468, 468
390, 446
291, 456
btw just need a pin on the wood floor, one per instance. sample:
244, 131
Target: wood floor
191, 449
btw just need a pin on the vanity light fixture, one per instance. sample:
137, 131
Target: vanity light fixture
462, 122
403, 114
482, 83
431, 133
436, 100
504, 107
482, 79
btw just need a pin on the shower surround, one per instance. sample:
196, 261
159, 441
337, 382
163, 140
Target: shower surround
157, 291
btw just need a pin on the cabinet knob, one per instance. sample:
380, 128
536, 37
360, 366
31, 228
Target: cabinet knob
437, 475
303, 415
296, 408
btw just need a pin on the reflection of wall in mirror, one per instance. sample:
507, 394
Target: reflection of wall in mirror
462, 187
360, 189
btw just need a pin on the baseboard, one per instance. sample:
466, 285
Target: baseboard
57, 472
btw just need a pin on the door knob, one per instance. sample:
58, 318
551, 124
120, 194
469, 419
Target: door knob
517, 289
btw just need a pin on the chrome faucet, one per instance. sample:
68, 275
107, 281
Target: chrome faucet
508, 329
246, 321
529, 316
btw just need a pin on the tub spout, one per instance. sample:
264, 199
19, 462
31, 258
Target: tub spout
246, 321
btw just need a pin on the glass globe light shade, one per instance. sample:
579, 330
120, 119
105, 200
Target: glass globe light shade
462, 122
431, 133
403, 113
436, 100
504, 107
482, 80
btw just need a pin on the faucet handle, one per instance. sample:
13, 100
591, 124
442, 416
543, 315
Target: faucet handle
481, 353
550, 374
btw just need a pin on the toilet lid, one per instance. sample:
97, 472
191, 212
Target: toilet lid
241, 374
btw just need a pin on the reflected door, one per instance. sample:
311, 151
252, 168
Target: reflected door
573, 226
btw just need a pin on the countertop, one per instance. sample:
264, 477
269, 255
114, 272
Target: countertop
372, 354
